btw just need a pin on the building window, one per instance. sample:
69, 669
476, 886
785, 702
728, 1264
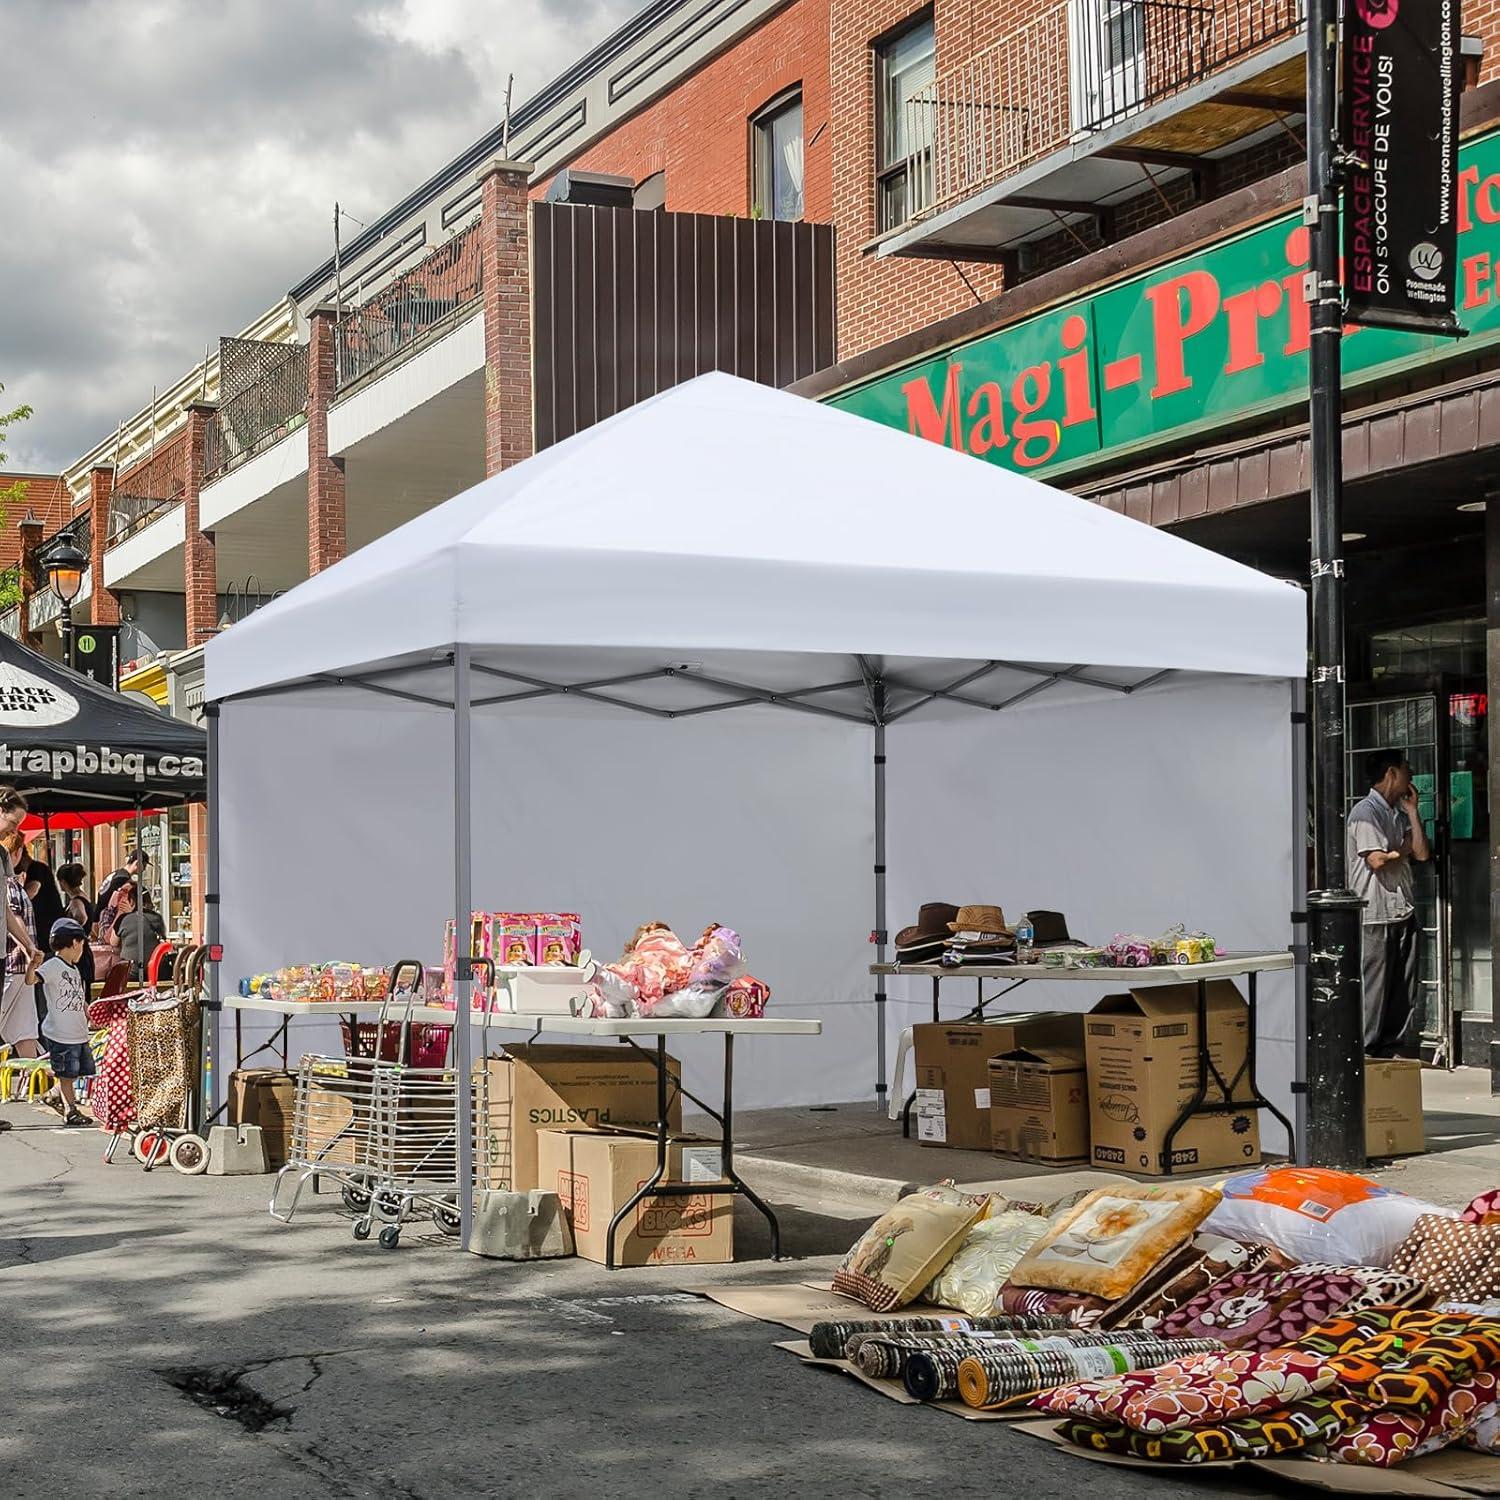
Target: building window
1107, 59
903, 130
776, 159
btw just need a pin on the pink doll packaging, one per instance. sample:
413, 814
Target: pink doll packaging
513, 939
557, 936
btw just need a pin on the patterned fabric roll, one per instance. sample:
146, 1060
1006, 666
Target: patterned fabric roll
884, 1358
1002, 1376
1318, 1419
831, 1340
932, 1374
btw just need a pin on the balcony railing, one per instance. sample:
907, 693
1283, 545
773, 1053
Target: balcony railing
253, 416
10, 622
147, 490
421, 301
1073, 71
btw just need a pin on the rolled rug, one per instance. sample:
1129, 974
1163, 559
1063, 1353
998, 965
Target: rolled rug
998, 1377
830, 1340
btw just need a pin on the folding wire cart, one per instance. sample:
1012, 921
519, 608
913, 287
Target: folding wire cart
384, 1129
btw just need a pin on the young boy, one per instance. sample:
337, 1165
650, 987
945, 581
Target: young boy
65, 1029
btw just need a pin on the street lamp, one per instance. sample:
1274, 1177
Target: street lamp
64, 564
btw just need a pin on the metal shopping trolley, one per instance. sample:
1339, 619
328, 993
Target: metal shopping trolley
382, 1126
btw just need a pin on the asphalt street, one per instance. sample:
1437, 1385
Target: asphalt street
163, 1335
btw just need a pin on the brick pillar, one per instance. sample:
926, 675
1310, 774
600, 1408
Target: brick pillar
327, 516
30, 530
199, 563
105, 606
505, 235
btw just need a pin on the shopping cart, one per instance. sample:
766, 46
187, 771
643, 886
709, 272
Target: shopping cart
383, 1127
153, 1101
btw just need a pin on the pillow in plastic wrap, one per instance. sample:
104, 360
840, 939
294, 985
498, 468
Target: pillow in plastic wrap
983, 1263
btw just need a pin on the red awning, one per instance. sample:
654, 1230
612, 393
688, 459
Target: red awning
68, 822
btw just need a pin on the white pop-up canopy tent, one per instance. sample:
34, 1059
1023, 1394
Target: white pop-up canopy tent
734, 656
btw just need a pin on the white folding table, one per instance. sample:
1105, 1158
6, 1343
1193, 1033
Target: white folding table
1229, 966
626, 1031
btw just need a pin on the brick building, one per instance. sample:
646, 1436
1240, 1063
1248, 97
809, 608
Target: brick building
994, 206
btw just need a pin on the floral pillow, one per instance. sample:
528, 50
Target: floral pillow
1195, 1392
1105, 1245
1260, 1309
902, 1250
1459, 1261
1392, 1436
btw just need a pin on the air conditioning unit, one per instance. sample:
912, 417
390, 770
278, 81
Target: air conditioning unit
591, 189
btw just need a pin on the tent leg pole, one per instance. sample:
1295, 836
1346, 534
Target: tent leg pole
877, 693
463, 961
218, 1085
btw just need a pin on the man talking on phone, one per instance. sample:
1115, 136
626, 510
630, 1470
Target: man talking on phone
1385, 838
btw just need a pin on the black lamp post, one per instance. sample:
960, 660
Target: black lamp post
64, 564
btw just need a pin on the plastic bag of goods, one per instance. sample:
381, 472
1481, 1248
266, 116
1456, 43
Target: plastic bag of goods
1313, 1214
716, 962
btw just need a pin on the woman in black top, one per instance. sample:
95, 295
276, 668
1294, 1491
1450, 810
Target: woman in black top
137, 931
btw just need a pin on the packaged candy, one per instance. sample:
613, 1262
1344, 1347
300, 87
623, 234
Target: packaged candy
746, 998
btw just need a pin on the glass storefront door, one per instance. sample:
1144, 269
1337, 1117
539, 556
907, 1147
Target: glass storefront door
1410, 723
1428, 696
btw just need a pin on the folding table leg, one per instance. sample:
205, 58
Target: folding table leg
1192, 1106
730, 1175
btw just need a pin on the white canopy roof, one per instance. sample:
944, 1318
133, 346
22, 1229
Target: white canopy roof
722, 516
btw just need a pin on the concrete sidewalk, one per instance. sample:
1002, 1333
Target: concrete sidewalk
854, 1153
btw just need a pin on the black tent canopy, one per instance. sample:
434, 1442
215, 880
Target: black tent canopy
71, 745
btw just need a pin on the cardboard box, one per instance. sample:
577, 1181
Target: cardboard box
1393, 1107
542, 1087
595, 1172
1039, 1109
953, 1077
1142, 1051
264, 1097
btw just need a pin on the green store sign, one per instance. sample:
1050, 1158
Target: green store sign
1211, 338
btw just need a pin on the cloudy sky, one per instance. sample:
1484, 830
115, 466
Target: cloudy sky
170, 168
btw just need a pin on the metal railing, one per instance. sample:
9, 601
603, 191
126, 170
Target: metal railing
1076, 69
428, 297
10, 622
263, 413
147, 490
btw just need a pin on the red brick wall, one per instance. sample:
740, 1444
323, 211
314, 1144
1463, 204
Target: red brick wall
327, 514
699, 134
45, 495
104, 607
505, 247
201, 564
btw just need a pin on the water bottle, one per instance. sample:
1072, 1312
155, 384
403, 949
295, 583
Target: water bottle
1025, 941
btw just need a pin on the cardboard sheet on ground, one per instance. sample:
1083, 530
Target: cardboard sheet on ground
800, 1304
1455, 1473
893, 1389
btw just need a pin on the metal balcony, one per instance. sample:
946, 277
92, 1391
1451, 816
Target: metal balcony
430, 298
1091, 103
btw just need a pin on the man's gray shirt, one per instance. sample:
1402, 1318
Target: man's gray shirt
1375, 826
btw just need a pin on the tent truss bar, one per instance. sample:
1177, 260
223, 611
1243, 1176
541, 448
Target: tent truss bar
389, 692
877, 688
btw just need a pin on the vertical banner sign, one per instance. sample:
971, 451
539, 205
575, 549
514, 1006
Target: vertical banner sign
1400, 114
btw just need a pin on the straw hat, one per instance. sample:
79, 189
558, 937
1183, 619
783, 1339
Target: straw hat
980, 919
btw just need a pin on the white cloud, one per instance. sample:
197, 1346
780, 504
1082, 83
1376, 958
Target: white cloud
171, 168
